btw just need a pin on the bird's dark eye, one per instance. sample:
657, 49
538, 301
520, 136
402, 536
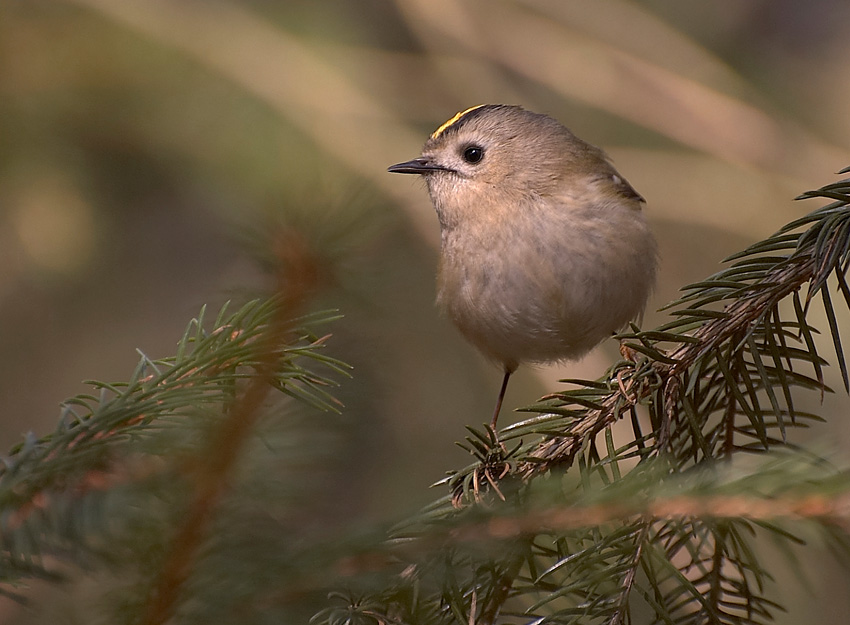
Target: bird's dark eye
473, 154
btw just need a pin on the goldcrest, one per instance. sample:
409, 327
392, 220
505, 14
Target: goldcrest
545, 250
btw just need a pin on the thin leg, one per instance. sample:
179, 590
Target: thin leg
501, 397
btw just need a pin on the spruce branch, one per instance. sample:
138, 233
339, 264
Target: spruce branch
297, 280
155, 458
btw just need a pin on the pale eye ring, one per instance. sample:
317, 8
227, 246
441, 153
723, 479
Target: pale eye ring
473, 154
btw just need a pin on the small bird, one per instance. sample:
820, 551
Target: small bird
545, 250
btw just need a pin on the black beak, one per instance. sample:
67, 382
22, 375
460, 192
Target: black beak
416, 166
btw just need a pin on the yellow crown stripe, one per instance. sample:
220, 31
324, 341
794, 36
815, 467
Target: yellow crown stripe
454, 120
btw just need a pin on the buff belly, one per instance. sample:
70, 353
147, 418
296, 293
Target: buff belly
556, 299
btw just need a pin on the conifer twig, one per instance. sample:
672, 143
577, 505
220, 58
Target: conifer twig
298, 277
740, 316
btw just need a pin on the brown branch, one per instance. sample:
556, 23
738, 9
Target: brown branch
833, 508
298, 277
742, 313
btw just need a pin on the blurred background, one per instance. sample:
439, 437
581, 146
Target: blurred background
147, 150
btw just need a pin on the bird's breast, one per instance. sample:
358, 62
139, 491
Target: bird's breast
545, 286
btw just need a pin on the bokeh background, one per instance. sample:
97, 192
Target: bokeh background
147, 149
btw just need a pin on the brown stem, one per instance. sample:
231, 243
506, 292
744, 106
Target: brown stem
741, 314
297, 279
212, 476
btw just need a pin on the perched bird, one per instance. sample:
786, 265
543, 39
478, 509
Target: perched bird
545, 250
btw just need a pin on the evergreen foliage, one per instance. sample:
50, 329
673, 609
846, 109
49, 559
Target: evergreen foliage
190, 479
